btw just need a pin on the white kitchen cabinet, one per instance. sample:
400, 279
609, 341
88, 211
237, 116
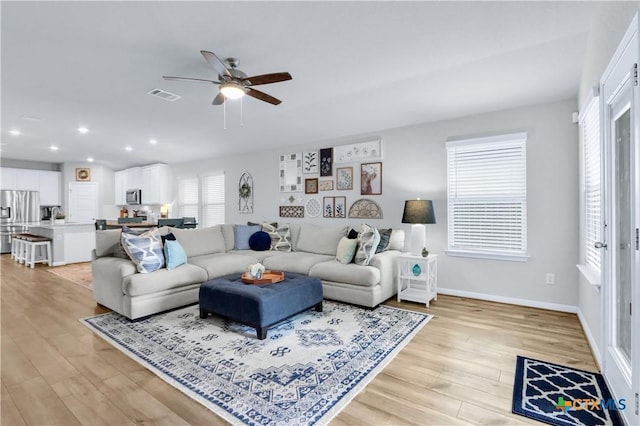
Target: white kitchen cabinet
154, 180
120, 187
49, 183
46, 182
8, 178
133, 178
27, 180
156, 184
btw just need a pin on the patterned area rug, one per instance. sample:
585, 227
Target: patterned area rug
560, 395
77, 273
309, 367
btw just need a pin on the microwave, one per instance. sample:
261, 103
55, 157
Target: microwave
134, 196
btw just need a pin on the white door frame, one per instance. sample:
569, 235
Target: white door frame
619, 86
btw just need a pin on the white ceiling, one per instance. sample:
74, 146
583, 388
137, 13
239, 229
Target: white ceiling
357, 67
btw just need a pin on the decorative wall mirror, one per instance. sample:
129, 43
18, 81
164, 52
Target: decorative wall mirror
291, 173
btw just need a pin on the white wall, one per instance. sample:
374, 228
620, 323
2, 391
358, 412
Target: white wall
610, 21
414, 165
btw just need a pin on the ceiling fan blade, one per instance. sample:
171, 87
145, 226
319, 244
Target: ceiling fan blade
202, 80
263, 96
216, 63
275, 77
218, 100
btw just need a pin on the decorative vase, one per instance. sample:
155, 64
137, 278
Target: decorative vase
416, 270
425, 252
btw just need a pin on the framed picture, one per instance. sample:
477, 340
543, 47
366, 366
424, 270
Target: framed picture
344, 178
325, 185
310, 162
371, 178
326, 162
83, 174
291, 172
311, 186
340, 207
327, 209
363, 151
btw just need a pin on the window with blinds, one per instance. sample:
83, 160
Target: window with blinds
203, 198
487, 197
212, 199
188, 197
590, 132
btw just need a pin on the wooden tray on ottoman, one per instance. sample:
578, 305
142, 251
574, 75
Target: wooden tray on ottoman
268, 277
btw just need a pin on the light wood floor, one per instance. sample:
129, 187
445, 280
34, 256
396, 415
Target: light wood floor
457, 370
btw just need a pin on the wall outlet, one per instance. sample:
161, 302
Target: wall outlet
551, 278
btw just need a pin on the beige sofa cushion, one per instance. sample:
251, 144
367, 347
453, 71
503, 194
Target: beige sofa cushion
299, 262
396, 241
351, 273
107, 241
229, 236
163, 279
219, 265
198, 242
320, 239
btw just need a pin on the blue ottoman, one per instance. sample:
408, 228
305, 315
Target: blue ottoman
260, 305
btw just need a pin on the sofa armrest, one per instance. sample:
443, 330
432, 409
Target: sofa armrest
386, 262
108, 273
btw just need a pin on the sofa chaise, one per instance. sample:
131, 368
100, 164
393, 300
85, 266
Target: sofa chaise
212, 253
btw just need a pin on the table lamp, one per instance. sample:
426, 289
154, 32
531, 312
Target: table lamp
418, 212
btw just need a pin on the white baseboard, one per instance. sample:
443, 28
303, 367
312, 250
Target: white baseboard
592, 342
510, 300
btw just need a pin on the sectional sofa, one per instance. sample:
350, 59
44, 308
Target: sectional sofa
211, 253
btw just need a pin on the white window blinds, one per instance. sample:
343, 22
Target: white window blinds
188, 199
590, 126
487, 196
213, 199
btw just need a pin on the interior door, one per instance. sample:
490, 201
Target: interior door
83, 202
621, 270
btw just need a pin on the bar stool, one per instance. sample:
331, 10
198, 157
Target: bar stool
34, 244
17, 248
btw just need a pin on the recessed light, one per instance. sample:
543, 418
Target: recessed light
15, 132
53, 148
153, 141
83, 130
128, 148
90, 159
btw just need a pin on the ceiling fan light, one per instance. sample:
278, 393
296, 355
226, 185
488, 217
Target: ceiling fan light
232, 90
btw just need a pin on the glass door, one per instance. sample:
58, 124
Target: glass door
621, 267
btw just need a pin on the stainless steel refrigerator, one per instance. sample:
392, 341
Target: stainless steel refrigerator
18, 209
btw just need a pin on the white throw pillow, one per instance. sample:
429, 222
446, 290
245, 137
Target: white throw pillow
280, 235
369, 238
346, 250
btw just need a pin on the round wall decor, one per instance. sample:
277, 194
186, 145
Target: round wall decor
313, 207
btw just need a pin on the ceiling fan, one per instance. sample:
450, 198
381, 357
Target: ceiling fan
234, 83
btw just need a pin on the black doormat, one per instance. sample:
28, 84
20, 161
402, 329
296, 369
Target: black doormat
561, 395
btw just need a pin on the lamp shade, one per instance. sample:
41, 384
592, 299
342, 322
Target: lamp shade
418, 211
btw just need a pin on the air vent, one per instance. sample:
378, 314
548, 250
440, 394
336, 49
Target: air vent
167, 96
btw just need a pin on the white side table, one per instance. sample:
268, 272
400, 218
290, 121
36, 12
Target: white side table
417, 278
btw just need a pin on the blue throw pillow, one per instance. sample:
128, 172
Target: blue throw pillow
260, 241
242, 235
174, 254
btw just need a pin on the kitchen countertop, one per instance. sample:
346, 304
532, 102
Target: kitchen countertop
132, 224
48, 225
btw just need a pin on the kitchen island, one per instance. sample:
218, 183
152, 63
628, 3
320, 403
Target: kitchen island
71, 242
